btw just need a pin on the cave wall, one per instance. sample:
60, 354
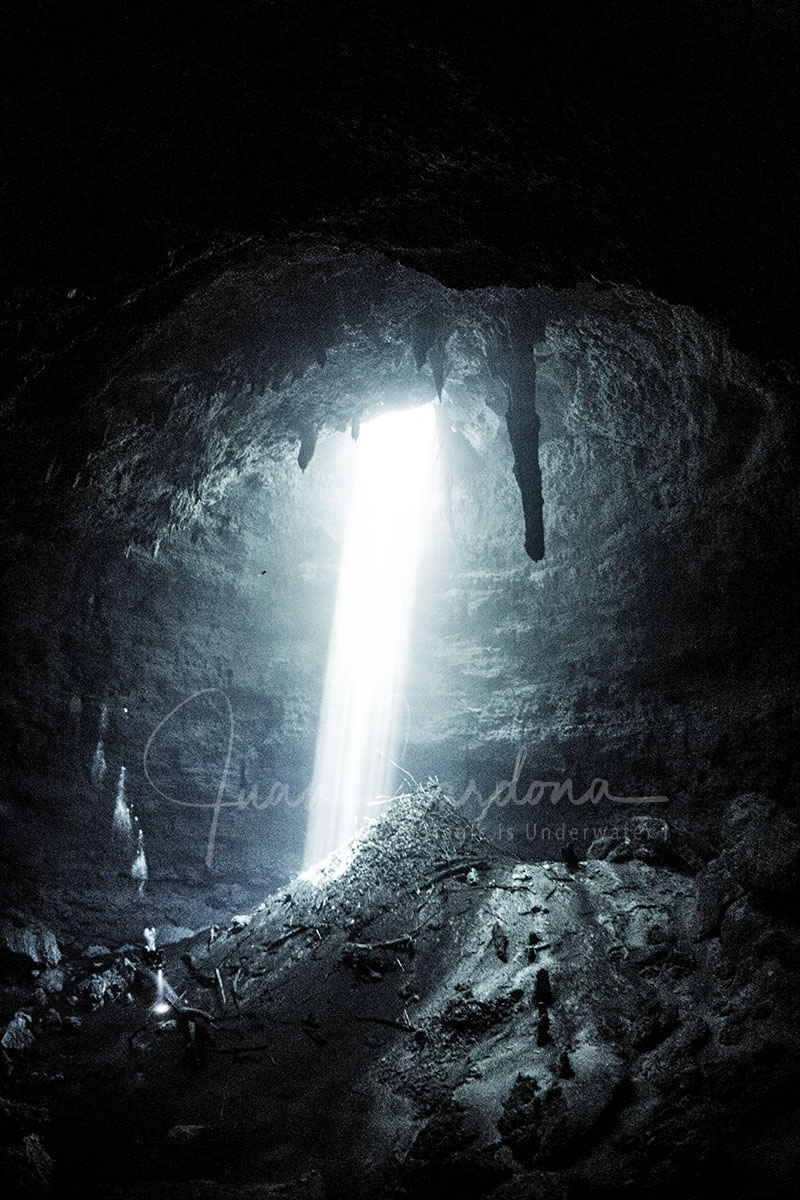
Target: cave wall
175, 546
642, 649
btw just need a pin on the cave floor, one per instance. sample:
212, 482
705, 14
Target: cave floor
423, 1015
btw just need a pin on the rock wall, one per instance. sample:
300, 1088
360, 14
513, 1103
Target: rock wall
193, 554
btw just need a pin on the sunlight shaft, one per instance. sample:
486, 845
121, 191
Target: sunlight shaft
364, 709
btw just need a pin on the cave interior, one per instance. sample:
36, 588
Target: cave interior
553, 948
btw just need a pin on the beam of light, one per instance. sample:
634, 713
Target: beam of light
362, 703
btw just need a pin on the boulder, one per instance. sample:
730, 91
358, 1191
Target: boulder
651, 840
744, 814
762, 845
28, 944
716, 891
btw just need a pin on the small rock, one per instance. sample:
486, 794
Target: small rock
18, 1034
71, 1024
472, 877
97, 951
92, 991
52, 980
51, 1017
601, 847
240, 922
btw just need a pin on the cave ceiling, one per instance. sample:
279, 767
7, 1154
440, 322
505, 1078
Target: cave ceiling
242, 215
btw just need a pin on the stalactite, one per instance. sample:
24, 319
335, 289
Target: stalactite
308, 444
428, 342
523, 424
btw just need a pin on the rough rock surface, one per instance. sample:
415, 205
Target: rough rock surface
237, 231
18, 1034
367, 1006
639, 650
26, 943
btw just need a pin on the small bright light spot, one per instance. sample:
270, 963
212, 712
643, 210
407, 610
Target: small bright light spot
363, 703
161, 1005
